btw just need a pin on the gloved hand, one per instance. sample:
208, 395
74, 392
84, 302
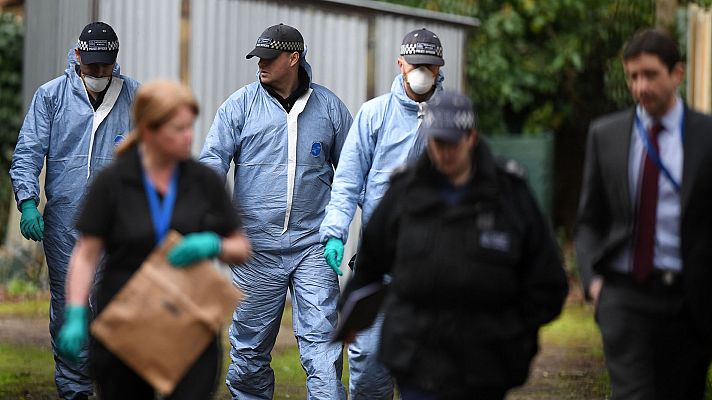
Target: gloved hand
334, 254
194, 247
73, 334
31, 222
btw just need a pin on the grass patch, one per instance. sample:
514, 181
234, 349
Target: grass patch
570, 361
25, 372
290, 379
574, 326
26, 308
289, 376
574, 369
577, 333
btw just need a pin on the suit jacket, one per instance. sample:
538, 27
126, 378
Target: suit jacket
605, 222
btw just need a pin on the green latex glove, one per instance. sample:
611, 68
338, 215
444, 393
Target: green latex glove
73, 334
31, 222
334, 254
194, 247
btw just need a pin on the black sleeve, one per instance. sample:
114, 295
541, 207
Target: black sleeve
543, 283
593, 215
223, 216
378, 245
96, 215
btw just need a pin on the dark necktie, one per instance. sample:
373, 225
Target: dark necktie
647, 210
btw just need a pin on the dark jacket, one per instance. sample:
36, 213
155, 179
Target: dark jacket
606, 216
472, 282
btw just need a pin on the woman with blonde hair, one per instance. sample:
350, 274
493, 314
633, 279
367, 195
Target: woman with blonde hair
152, 186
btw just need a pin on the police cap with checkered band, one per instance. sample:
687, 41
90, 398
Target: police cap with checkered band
276, 39
449, 116
422, 47
98, 44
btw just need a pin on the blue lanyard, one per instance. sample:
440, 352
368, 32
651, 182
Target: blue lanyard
161, 211
652, 153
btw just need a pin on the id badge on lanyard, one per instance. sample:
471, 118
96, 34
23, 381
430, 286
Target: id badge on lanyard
650, 150
161, 211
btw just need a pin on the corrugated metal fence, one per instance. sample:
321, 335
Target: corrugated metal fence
352, 46
149, 36
346, 40
336, 49
51, 29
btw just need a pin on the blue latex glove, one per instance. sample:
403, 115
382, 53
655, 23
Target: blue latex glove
334, 254
31, 222
73, 334
194, 247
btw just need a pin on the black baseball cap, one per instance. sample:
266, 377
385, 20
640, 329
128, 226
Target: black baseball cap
448, 116
98, 44
276, 39
422, 47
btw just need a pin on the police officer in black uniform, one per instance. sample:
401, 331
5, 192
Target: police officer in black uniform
476, 271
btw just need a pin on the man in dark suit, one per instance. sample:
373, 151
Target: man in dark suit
644, 231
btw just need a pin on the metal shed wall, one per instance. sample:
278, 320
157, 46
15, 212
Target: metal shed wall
149, 33
149, 36
224, 31
51, 29
352, 45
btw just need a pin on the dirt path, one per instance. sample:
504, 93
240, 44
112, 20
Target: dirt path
25, 331
559, 373
568, 370
35, 331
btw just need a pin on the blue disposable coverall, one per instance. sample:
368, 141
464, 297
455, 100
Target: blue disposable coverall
380, 140
77, 141
283, 171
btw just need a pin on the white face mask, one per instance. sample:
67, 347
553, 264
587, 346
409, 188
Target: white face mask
420, 80
96, 85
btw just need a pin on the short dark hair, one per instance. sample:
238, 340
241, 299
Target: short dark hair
653, 41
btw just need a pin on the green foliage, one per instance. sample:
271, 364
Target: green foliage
21, 288
21, 264
534, 65
11, 42
702, 3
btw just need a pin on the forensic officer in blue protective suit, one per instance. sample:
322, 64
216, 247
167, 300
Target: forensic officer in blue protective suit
74, 121
382, 138
284, 134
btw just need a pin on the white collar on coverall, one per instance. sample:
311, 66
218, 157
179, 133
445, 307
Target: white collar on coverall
292, 118
112, 94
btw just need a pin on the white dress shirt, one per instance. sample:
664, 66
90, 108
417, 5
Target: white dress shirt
667, 229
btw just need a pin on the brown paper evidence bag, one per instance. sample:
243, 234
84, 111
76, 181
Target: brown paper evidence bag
162, 320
